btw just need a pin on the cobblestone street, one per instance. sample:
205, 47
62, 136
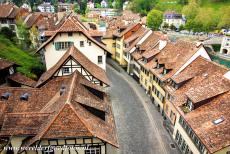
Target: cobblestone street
139, 125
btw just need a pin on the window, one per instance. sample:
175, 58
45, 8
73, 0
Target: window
99, 60
81, 43
62, 45
117, 55
93, 150
190, 104
70, 34
90, 43
66, 70
114, 45
118, 46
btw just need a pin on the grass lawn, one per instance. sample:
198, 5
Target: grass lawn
30, 65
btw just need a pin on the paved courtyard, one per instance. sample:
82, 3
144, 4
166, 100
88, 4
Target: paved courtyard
139, 125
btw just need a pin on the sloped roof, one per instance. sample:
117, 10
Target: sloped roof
22, 79
8, 10
205, 79
78, 120
5, 64
73, 52
71, 24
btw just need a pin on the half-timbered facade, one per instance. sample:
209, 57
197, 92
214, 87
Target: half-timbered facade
66, 115
73, 60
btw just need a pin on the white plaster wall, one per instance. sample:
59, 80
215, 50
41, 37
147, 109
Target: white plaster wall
201, 52
92, 52
185, 136
16, 142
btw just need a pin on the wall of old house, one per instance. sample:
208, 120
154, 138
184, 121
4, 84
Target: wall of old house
91, 52
120, 51
109, 44
185, 136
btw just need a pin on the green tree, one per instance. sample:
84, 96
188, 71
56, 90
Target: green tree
142, 6
172, 27
8, 33
224, 18
165, 25
83, 6
118, 4
23, 34
34, 36
191, 10
76, 8
207, 19
154, 19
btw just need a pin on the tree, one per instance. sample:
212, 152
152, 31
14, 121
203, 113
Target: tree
8, 33
172, 27
83, 6
181, 27
191, 10
207, 19
118, 4
165, 25
76, 8
142, 6
154, 19
23, 34
224, 18
34, 36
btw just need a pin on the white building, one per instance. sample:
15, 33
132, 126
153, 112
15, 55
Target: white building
72, 32
26, 6
8, 15
173, 18
67, 7
104, 4
46, 7
225, 46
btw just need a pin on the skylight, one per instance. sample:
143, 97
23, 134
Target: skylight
218, 121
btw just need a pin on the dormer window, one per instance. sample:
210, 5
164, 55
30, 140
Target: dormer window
165, 71
189, 104
145, 60
174, 85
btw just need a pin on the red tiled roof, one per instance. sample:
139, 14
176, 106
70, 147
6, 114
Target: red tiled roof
49, 114
71, 24
19, 78
205, 79
8, 11
5, 64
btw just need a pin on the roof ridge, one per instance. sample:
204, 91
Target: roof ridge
72, 85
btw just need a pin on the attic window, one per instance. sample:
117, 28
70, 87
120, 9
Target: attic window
5, 96
189, 104
81, 43
218, 121
98, 113
95, 92
24, 97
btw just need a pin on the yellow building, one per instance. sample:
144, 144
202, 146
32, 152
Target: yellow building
116, 42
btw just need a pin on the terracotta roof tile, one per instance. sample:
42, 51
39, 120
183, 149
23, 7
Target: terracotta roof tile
5, 64
19, 78
64, 114
204, 76
8, 11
